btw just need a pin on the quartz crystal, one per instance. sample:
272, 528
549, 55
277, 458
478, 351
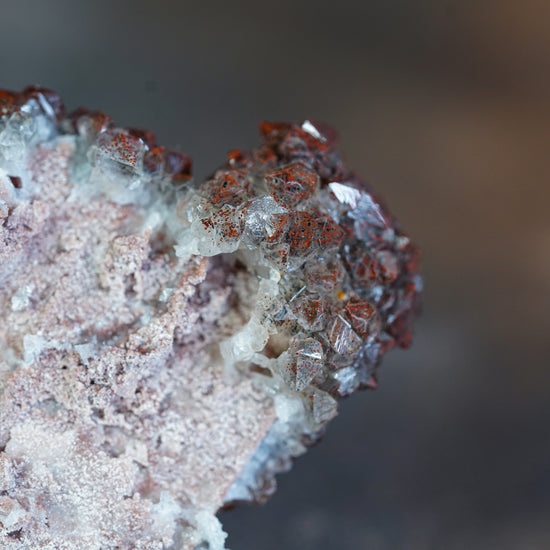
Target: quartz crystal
167, 346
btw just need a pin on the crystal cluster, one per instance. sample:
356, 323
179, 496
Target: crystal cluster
339, 283
176, 343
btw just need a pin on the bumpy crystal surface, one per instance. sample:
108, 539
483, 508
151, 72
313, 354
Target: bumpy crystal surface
336, 270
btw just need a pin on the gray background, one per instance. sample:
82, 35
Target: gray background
443, 106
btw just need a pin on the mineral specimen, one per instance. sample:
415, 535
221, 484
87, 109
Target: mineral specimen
166, 346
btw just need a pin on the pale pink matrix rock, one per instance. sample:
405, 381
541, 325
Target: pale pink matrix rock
117, 426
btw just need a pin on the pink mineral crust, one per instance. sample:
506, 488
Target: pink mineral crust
168, 346
110, 427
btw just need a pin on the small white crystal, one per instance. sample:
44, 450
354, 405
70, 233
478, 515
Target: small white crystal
12, 515
164, 514
242, 345
165, 294
308, 127
7, 190
325, 407
20, 300
287, 407
86, 351
367, 213
345, 194
33, 344
210, 530
347, 379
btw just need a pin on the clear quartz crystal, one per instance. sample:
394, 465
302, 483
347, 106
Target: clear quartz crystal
15, 137
20, 300
258, 220
308, 354
342, 337
348, 380
118, 151
324, 407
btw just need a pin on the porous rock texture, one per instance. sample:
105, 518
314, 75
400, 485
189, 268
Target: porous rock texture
166, 347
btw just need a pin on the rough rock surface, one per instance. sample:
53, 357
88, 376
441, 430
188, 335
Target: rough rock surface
166, 347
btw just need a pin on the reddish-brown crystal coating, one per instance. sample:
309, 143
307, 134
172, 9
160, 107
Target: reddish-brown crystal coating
227, 187
9, 102
97, 121
147, 137
133, 147
292, 184
178, 163
350, 273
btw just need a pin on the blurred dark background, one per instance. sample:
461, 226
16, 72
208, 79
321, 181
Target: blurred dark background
443, 106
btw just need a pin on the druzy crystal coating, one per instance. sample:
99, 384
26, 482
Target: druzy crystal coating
276, 286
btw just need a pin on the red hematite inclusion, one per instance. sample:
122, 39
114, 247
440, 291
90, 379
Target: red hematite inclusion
292, 184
